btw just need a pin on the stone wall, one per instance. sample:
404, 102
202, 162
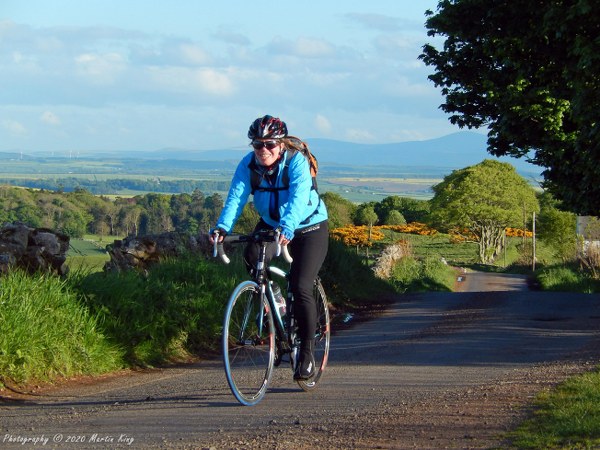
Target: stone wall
141, 252
32, 249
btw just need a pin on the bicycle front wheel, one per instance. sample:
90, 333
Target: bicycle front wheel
248, 343
322, 337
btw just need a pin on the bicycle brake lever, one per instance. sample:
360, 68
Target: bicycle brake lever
215, 243
277, 235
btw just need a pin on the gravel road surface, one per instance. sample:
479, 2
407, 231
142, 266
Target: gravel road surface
434, 370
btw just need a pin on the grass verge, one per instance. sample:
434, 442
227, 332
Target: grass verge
567, 279
568, 417
45, 333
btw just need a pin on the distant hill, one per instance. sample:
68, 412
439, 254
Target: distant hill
444, 154
453, 151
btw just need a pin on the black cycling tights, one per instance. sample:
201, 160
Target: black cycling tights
308, 250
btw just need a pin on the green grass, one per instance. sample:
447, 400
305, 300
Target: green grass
423, 275
566, 418
45, 333
170, 314
88, 253
567, 278
348, 280
438, 246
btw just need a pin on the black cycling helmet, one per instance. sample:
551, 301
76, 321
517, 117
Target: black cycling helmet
267, 127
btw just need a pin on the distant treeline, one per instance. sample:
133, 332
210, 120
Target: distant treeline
80, 212
114, 186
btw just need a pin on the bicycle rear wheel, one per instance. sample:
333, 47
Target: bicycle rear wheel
248, 343
322, 337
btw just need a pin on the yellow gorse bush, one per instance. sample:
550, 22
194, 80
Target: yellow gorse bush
412, 228
357, 235
464, 234
517, 232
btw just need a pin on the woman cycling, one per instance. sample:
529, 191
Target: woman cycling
278, 175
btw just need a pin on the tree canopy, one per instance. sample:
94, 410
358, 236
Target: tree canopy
529, 70
484, 199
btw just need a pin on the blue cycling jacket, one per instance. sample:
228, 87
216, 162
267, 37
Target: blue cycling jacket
299, 206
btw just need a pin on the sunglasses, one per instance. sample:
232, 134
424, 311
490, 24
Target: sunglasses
269, 145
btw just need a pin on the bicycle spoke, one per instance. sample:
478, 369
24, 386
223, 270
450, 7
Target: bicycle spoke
248, 347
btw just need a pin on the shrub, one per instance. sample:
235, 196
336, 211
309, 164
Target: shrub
46, 333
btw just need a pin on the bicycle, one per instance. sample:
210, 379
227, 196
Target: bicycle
256, 338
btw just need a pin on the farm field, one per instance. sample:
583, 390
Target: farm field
88, 253
357, 184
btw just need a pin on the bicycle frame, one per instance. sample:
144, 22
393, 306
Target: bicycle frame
255, 336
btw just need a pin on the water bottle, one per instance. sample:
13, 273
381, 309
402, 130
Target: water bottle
279, 299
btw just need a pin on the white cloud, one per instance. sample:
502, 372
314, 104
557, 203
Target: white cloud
358, 135
214, 82
100, 68
194, 54
338, 74
322, 124
50, 118
14, 127
189, 81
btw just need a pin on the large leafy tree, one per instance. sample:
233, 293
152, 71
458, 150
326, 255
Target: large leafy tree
484, 199
529, 70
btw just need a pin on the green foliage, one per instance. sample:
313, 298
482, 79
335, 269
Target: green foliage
45, 333
395, 217
348, 281
365, 215
485, 199
175, 311
247, 220
566, 417
557, 229
410, 274
566, 278
530, 73
340, 210
437, 246
79, 212
410, 209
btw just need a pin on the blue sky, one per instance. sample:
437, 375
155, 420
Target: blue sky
144, 75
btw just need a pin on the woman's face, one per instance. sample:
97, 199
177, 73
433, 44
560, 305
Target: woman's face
267, 151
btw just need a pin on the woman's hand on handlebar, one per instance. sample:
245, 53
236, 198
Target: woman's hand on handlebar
218, 234
283, 240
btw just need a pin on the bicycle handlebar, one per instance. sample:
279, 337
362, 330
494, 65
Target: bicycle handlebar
258, 236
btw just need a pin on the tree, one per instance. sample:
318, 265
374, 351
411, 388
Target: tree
247, 220
485, 199
339, 209
411, 209
557, 229
529, 71
395, 217
365, 215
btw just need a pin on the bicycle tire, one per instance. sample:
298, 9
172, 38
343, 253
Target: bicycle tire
248, 353
322, 338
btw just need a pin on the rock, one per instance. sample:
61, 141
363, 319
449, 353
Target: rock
141, 252
32, 249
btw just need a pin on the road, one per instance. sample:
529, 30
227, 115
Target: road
435, 370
